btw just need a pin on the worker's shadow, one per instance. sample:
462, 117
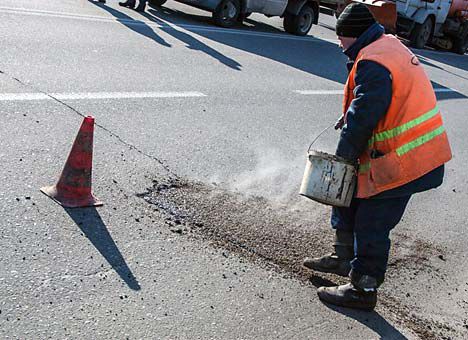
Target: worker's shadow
372, 320
94, 229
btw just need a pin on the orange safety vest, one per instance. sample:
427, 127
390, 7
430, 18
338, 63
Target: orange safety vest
411, 135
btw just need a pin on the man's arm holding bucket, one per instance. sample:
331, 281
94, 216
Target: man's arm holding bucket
373, 94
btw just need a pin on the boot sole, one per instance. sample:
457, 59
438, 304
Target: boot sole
352, 305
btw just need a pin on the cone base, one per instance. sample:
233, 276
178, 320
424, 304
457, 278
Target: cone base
81, 202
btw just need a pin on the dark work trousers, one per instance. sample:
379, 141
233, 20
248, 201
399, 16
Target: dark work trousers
371, 221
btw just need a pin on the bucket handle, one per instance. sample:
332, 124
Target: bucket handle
318, 136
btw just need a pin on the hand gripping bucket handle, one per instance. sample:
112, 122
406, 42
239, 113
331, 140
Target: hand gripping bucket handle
328, 179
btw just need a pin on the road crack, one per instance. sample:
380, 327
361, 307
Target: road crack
102, 127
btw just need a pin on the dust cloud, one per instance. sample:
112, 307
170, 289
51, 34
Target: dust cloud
276, 177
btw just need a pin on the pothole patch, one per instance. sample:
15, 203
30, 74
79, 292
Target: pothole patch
280, 237
251, 226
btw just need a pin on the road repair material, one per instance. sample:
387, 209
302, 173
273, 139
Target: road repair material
73, 189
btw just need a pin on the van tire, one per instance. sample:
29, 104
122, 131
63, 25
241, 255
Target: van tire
421, 34
157, 3
243, 16
227, 13
460, 45
301, 23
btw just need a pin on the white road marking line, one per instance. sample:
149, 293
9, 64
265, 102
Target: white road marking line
23, 96
96, 95
441, 90
138, 95
162, 25
340, 92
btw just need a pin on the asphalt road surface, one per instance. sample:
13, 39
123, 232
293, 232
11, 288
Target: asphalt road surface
200, 141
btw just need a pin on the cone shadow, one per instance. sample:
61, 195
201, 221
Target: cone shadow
91, 224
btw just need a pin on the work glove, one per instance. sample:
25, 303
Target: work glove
340, 123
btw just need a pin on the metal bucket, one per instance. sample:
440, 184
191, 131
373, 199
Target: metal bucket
328, 179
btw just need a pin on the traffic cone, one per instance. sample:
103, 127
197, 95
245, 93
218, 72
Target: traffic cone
73, 189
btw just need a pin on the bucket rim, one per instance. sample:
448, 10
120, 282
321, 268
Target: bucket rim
329, 156
329, 203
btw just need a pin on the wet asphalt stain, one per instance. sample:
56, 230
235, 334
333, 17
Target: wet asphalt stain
251, 226
279, 237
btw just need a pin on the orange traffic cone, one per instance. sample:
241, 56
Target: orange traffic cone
73, 189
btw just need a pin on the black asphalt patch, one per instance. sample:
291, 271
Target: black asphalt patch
280, 238
251, 226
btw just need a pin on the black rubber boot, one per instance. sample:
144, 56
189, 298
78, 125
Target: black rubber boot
349, 296
141, 7
128, 3
361, 293
337, 262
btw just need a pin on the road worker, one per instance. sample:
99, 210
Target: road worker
392, 130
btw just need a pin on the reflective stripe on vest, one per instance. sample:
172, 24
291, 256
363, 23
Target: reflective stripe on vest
410, 137
384, 135
381, 136
363, 168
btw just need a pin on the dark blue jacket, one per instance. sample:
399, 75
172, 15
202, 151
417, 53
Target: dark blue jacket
373, 95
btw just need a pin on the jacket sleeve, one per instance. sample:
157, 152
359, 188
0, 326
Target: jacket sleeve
373, 94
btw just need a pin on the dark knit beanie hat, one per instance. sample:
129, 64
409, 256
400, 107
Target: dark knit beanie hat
354, 20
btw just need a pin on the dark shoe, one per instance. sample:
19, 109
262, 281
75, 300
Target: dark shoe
337, 262
329, 264
141, 7
348, 296
128, 3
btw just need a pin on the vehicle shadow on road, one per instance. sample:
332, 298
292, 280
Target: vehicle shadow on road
312, 55
193, 43
447, 58
450, 94
372, 320
137, 26
93, 227
144, 29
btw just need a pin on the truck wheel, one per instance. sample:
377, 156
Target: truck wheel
460, 45
421, 33
227, 12
242, 17
301, 23
339, 10
157, 3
